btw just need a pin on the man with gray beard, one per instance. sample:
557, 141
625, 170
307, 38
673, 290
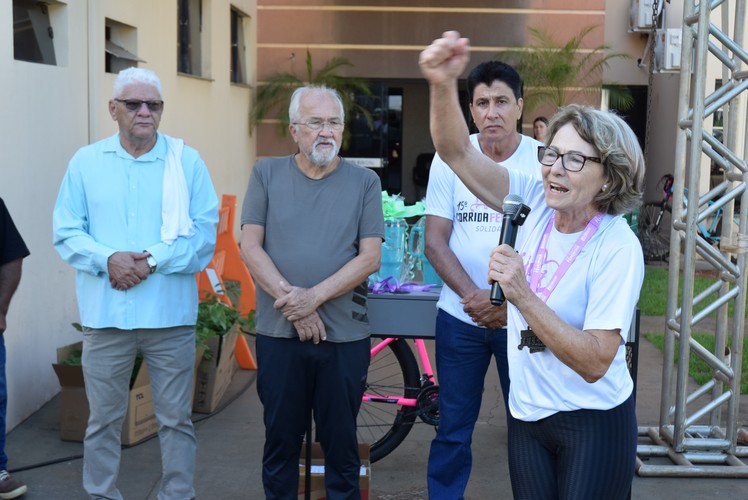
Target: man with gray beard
312, 230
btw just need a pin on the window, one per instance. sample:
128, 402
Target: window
239, 29
192, 37
120, 46
33, 37
374, 133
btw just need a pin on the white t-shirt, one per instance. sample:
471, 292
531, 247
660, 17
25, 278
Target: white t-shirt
599, 291
475, 226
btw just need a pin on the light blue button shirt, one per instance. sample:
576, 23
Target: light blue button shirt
110, 202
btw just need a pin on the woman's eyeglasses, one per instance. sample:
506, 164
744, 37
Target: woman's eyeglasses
571, 161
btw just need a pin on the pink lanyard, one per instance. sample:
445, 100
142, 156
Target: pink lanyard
542, 255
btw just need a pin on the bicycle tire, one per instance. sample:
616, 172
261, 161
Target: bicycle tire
655, 221
384, 425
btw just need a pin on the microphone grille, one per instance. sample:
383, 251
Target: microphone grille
511, 204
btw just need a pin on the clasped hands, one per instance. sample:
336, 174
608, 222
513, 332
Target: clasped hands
127, 269
477, 305
299, 306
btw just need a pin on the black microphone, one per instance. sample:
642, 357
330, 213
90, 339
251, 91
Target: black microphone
515, 213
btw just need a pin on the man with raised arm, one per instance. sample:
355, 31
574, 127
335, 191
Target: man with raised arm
461, 231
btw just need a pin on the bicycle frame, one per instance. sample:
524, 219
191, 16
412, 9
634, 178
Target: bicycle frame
427, 373
710, 232
399, 389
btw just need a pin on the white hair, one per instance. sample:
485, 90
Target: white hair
132, 75
293, 108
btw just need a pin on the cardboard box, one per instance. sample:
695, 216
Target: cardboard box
140, 420
214, 375
318, 472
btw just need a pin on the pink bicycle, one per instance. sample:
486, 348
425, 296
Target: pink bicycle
397, 393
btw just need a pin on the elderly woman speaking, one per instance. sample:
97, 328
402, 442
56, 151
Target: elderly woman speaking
572, 283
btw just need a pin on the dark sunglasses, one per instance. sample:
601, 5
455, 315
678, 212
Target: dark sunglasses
135, 104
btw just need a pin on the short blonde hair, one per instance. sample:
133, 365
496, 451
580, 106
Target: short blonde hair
617, 147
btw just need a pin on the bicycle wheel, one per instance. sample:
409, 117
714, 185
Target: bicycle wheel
384, 424
654, 231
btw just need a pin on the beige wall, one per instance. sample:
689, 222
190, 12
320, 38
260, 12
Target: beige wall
51, 111
49, 107
210, 113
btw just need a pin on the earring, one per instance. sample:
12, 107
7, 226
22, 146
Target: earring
605, 187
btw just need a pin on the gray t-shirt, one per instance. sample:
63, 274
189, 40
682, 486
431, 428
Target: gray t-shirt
312, 228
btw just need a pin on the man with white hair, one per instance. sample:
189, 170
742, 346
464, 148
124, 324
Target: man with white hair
136, 217
312, 231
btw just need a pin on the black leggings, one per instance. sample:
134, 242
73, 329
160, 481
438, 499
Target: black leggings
583, 454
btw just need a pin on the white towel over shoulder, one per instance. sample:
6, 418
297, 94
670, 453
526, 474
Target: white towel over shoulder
175, 205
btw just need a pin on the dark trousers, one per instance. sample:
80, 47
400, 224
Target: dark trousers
295, 378
574, 455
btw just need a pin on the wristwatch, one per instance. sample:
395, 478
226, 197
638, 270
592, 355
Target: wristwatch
151, 263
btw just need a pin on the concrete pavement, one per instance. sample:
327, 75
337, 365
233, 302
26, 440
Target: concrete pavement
230, 449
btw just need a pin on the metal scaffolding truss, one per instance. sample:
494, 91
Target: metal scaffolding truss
699, 433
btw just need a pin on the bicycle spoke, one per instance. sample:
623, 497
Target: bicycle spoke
654, 231
393, 373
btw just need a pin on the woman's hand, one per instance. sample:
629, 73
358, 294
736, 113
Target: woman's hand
587, 352
506, 267
445, 59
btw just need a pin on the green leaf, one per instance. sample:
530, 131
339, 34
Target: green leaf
554, 73
215, 317
74, 359
275, 94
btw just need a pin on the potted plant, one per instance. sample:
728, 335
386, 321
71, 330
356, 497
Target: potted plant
219, 324
274, 95
216, 318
